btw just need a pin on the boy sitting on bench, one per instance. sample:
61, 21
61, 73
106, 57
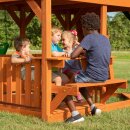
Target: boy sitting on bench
98, 51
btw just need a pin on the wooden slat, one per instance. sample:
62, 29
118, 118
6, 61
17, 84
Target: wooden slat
1, 78
37, 83
57, 63
18, 84
108, 82
28, 85
9, 80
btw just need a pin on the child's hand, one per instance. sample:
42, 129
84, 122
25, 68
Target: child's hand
28, 59
67, 54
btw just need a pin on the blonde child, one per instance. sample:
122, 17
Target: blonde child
72, 67
57, 77
22, 54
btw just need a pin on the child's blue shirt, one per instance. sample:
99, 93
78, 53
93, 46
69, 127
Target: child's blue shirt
55, 47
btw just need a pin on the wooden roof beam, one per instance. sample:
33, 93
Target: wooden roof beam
35, 8
14, 16
124, 3
2, 1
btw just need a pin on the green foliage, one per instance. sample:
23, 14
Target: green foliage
33, 32
55, 21
8, 28
119, 31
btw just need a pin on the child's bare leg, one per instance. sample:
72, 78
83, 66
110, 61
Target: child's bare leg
58, 81
94, 110
86, 95
64, 78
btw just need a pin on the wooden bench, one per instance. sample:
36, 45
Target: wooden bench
100, 94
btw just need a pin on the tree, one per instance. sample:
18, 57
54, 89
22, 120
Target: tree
119, 30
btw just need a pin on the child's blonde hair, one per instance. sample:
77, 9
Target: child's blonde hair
55, 30
70, 35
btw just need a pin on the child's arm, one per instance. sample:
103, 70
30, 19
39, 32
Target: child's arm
76, 52
55, 53
16, 59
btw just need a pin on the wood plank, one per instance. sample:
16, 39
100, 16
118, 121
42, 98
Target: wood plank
37, 83
35, 8
10, 108
103, 20
28, 85
9, 80
57, 63
1, 1
109, 92
46, 52
18, 84
108, 82
120, 3
1, 78
64, 113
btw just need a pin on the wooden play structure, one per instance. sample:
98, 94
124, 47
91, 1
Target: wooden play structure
34, 97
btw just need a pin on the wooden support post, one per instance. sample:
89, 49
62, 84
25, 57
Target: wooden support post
46, 64
103, 20
22, 23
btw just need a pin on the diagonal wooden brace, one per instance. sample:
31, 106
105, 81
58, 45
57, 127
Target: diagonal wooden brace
62, 93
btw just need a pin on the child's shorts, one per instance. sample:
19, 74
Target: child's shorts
83, 78
62, 75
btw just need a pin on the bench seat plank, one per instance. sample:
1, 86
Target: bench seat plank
122, 82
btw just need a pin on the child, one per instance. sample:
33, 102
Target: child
22, 55
57, 77
19, 55
72, 67
98, 53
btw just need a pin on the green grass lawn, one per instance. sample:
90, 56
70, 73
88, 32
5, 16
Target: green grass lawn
114, 120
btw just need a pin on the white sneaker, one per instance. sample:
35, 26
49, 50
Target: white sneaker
96, 111
75, 119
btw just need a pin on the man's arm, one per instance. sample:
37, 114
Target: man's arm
76, 52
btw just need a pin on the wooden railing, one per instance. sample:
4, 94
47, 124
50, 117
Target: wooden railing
18, 91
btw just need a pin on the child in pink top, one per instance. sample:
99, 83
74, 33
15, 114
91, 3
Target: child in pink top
72, 67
